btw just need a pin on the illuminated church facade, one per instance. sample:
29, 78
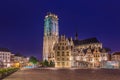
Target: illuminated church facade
51, 35
66, 52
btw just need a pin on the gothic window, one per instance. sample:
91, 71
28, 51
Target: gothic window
65, 43
67, 59
58, 59
62, 48
58, 47
62, 53
67, 48
58, 53
63, 59
98, 56
67, 53
71, 47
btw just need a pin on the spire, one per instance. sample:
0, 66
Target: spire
76, 36
71, 39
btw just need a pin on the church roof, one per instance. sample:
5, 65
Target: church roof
116, 53
86, 41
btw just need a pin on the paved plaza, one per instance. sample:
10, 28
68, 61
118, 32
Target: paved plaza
65, 74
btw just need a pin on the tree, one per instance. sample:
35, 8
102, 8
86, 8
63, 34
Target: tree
33, 60
45, 63
51, 64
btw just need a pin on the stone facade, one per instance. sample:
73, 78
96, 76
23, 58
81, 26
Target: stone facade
5, 57
63, 53
91, 58
87, 57
50, 36
116, 56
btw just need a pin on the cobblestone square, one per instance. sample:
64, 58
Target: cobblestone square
65, 74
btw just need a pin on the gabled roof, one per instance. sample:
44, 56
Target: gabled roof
86, 41
116, 53
19, 55
105, 49
4, 50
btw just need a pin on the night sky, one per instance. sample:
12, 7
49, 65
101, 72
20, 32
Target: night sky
22, 22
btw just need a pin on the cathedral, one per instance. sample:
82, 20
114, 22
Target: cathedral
67, 52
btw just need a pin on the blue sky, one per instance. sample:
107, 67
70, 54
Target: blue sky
22, 22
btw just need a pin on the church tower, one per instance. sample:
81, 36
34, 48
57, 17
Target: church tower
51, 35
